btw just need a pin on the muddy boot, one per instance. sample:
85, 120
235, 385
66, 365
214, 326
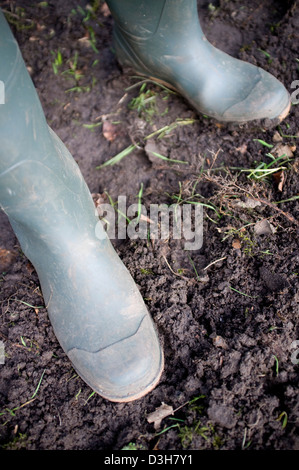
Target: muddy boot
95, 308
163, 39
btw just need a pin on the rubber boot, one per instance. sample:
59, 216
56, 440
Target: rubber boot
163, 39
95, 308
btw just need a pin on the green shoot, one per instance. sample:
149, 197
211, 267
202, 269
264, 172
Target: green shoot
286, 135
158, 155
194, 268
28, 305
264, 170
38, 385
91, 395
58, 61
92, 126
293, 198
18, 17
73, 70
267, 55
270, 146
242, 293
160, 133
139, 203
167, 429
245, 443
276, 364
117, 158
144, 103
113, 204
284, 417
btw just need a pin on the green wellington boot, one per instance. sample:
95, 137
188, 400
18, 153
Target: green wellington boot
95, 308
163, 39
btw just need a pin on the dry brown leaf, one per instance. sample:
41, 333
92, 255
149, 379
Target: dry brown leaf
236, 244
98, 199
105, 10
160, 413
6, 258
279, 179
220, 342
248, 203
281, 149
277, 137
242, 149
146, 219
110, 131
263, 227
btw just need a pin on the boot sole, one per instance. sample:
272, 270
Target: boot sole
265, 123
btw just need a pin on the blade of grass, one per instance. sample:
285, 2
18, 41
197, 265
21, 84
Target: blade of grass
242, 293
270, 146
286, 200
167, 429
117, 158
158, 155
286, 135
28, 305
193, 266
160, 133
92, 126
139, 197
113, 204
38, 385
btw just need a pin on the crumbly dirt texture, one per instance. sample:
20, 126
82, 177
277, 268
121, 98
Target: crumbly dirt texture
227, 313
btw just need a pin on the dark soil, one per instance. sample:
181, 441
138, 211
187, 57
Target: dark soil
227, 314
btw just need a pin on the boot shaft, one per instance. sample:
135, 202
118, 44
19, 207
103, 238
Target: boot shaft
41, 186
22, 121
143, 19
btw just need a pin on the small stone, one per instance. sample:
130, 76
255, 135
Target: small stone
277, 137
220, 342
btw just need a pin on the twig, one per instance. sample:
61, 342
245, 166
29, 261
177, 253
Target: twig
214, 262
14, 15
173, 272
270, 204
256, 198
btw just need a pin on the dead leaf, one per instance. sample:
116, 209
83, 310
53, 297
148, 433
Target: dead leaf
279, 179
98, 199
242, 149
263, 227
29, 267
219, 342
84, 41
110, 131
248, 203
160, 413
104, 9
152, 150
282, 149
146, 219
236, 244
6, 258
277, 137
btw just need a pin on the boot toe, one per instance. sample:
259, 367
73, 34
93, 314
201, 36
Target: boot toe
125, 370
268, 100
